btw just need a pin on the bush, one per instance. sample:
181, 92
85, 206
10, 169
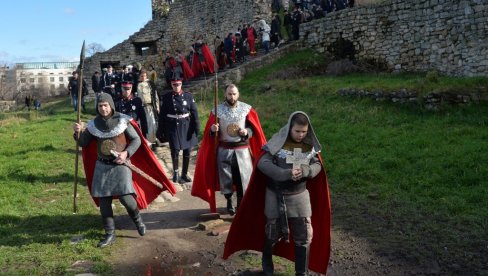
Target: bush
432, 76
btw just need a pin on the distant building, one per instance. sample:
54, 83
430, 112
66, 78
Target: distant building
43, 79
3, 76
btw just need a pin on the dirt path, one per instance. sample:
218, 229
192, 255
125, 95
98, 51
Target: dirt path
174, 245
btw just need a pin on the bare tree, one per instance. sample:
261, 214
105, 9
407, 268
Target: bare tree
94, 48
7, 84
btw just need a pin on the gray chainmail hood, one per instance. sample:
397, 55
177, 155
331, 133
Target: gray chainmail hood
279, 139
106, 125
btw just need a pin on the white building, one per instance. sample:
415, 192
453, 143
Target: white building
43, 79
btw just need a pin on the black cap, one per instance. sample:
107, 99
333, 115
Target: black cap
126, 84
177, 76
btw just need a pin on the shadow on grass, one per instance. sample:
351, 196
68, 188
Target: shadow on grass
163, 220
46, 148
16, 231
21, 176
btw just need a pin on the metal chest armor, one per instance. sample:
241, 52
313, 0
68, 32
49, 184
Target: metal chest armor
231, 120
112, 140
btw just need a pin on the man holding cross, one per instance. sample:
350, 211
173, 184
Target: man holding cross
295, 196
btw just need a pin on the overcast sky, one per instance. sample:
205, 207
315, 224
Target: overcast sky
54, 30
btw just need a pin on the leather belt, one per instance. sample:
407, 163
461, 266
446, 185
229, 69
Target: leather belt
107, 161
178, 116
233, 145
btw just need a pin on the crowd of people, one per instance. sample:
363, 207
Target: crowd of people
289, 164
131, 116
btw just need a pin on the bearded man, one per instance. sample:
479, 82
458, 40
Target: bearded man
239, 137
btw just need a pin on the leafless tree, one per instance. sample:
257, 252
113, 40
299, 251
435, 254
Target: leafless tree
94, 48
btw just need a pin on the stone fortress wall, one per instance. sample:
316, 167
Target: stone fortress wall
177, 28
450, 36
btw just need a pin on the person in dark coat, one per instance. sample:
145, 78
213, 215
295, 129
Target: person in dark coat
275, 30
124, 76
96, 83
73, 90
169, 65
131, 105
341, 4
108, 82
287, 24
27, 102
296, 20
179, 124
228, 48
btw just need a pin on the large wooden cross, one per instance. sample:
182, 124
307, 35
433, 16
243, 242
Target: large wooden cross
297, 158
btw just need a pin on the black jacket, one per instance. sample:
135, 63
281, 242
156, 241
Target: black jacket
181, 133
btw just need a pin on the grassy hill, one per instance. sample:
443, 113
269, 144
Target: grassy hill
412, 182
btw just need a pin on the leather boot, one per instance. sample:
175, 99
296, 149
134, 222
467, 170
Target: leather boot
230, 208
301, 260
141, 227
184, 172
109, 237
239, 193
267, 258
176, 178
239, 199
175, 167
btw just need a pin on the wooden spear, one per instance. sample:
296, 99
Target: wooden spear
78, 120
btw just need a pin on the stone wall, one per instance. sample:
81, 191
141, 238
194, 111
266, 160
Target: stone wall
185, 20
449, 36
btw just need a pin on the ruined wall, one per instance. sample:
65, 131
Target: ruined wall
413, 35
176, 30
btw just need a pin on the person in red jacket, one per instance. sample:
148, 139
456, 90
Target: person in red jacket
251, 39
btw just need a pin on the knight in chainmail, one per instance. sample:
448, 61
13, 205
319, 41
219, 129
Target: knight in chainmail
234, 160
287, 198
114, 135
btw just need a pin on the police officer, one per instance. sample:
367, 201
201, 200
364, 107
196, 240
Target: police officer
131, 105
179, 124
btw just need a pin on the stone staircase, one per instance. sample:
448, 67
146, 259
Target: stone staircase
237, 73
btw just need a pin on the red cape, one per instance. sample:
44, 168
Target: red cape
208, 65
247, 229
187, 72
206, 180
145, 160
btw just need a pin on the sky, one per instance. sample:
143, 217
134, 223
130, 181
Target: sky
54, 30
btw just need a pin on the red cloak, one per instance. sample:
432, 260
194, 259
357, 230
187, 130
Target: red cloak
247, 229
208, 65
145, 160
187, 72
206, 180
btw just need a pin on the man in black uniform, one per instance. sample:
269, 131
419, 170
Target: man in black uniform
108, 82
130, 105
179, 124
124, 76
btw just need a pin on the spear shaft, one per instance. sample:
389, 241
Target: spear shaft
78, 120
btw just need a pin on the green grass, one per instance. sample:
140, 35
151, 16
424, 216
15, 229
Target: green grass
36, 176
411, 181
